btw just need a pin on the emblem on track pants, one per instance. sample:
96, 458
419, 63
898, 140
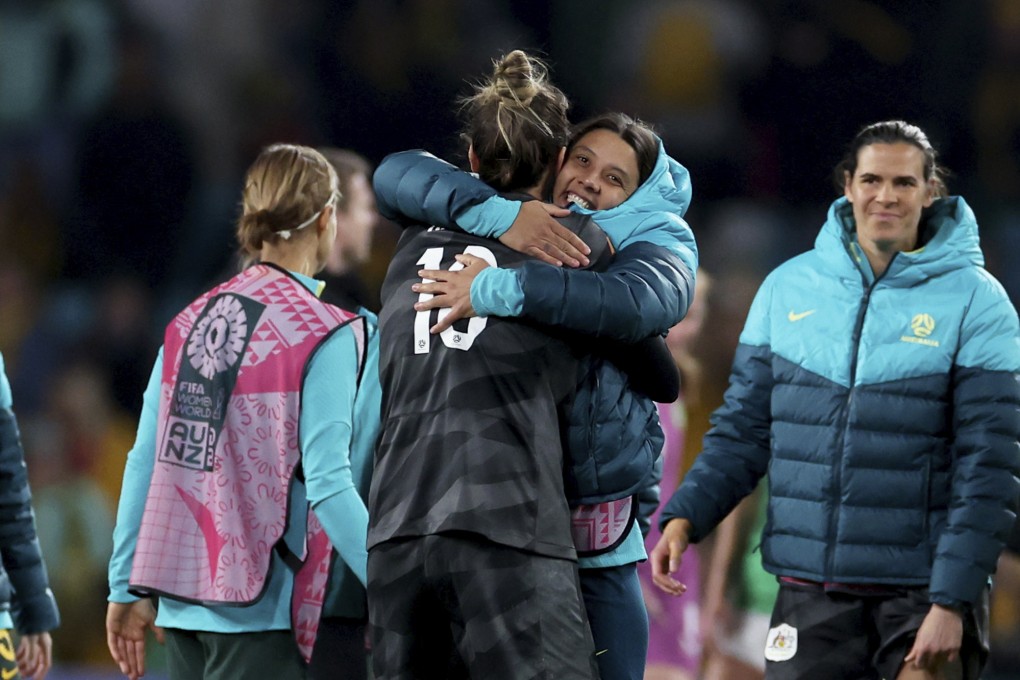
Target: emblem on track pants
781, 643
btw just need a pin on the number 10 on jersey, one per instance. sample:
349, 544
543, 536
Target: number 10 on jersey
432, 258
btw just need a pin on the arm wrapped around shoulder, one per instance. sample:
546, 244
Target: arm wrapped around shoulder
645, 291
415, 187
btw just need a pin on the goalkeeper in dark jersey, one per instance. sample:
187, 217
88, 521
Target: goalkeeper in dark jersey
472, 570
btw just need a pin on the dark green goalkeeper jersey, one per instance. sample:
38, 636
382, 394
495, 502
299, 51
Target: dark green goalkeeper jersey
471, 439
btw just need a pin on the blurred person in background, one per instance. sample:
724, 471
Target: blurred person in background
217, 510
94, 430
738, 595
27, 605
76, 450
75, 525
674, 641
740, 242
356, 223
876, 382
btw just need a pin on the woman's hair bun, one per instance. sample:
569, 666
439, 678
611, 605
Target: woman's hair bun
517, 77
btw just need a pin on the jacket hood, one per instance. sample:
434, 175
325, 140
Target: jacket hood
950, 233
668, 188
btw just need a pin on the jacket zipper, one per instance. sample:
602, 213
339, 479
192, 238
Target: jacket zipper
855, 345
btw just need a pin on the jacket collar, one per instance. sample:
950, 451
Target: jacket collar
949, 231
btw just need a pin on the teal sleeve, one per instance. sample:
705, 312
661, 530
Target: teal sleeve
327, 415
345, 519
497, 292
990, 336
134, 489
491, 218
758, 326
367, 411
626, 225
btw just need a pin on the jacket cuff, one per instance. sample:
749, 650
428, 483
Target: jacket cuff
497, 292
491, 218
36, 614
955, 581
958, 606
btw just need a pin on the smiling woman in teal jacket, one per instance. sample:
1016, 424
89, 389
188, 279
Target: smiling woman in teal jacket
876, 383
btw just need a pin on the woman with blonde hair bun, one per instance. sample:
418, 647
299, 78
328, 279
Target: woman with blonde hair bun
240, 480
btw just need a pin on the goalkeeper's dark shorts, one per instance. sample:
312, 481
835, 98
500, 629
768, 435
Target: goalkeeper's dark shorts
457, 606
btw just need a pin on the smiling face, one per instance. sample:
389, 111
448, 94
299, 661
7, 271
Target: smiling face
888, 192
599, 172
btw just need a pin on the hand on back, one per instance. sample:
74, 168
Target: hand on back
536, 233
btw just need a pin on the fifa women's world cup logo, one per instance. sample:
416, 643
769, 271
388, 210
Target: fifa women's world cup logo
209, 370
218, 338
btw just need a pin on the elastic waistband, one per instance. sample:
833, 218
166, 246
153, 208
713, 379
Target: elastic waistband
877, 589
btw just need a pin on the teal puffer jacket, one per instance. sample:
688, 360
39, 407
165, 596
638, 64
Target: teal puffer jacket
886, 413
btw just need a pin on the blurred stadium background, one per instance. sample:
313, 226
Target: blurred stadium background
126, 125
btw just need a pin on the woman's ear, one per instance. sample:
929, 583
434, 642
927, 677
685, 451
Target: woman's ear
561, 159
322, 224
473, 160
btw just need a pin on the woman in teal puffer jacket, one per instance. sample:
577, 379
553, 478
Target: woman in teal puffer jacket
876, 383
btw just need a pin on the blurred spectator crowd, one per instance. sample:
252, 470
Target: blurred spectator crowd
125, 127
